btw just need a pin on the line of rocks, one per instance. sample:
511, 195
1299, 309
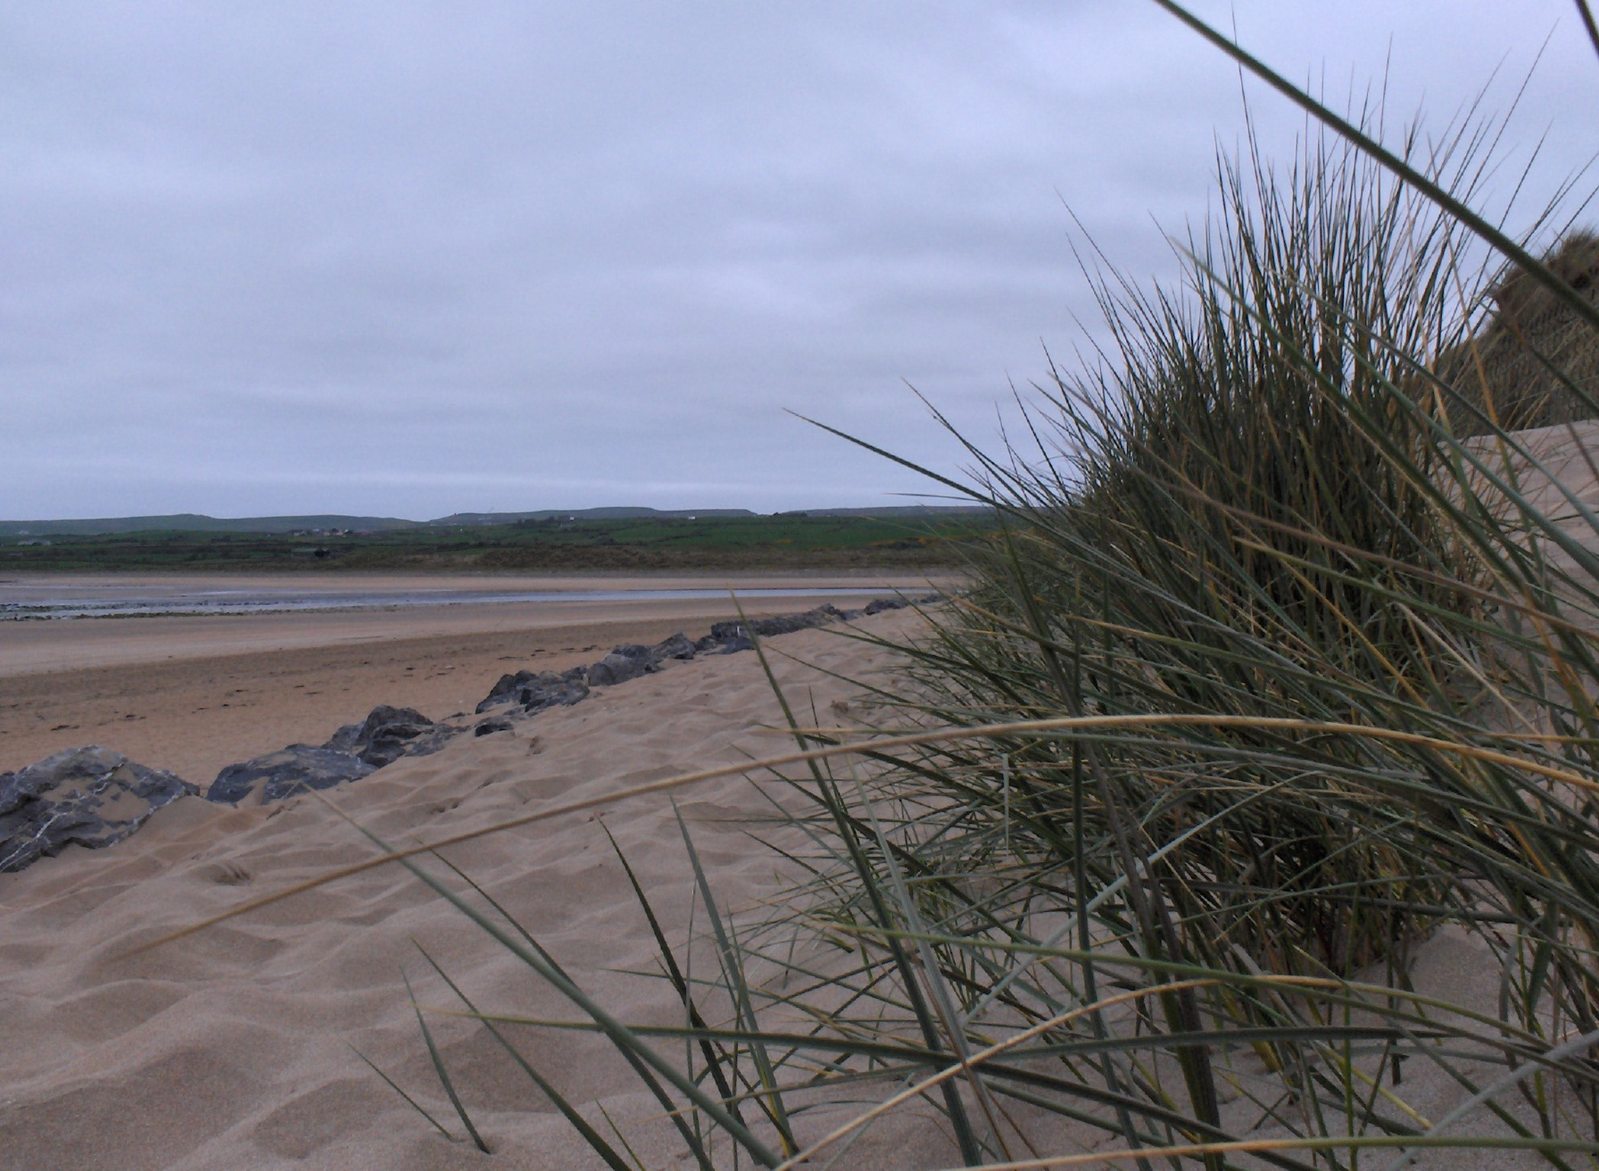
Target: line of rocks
95, 797
85, 796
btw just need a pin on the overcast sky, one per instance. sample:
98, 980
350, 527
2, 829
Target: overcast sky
412, 258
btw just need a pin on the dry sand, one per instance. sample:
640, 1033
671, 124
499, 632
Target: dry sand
231, 1048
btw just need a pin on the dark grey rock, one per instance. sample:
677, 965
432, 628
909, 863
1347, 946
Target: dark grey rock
726, 632
733, 636
89, 796
285, 772
426, 744
489, 726
505, 690
623, 663
676, 647
789, 623
880, 604
389, 733
534, 691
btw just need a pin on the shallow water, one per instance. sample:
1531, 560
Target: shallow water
67, 602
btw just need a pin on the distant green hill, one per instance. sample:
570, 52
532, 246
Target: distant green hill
190, 522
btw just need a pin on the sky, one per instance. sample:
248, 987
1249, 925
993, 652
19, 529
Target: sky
412, 258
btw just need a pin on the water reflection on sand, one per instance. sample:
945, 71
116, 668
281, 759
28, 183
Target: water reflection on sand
22, 600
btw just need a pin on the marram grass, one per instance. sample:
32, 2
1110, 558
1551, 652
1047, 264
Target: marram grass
1271, 677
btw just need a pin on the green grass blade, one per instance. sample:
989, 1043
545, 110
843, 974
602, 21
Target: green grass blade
443, 1071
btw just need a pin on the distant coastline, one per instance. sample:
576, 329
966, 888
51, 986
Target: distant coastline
309, 523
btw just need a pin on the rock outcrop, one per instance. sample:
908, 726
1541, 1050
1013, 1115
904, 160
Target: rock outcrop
94, 797
533, 691
353, 752
284, 773
739, 635
625, 662
389, 733
88, 796
678, 646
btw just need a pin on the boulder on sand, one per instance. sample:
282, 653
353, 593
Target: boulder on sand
678, 646
631, 660
283, 773
87, 796
625, 662
533, 691
389, 733
738, 635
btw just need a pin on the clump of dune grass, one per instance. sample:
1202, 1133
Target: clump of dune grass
1270, 675
1237, 516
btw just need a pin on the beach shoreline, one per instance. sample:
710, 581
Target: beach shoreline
191, 694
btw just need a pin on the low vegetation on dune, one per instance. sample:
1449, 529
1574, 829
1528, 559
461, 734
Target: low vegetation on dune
1272, 677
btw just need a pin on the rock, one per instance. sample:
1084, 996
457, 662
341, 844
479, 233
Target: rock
389, 733
676, 647
504, 691
90, 796
283, 773
789, 623
726, 632
429, 742
623, 663
490, 726
535, 691
354, 751
730, 637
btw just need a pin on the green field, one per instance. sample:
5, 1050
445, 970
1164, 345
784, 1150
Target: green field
789, 540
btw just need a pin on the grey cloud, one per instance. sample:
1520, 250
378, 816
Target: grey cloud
306, 257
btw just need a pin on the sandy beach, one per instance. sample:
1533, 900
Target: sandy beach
192, 694
233, 1048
